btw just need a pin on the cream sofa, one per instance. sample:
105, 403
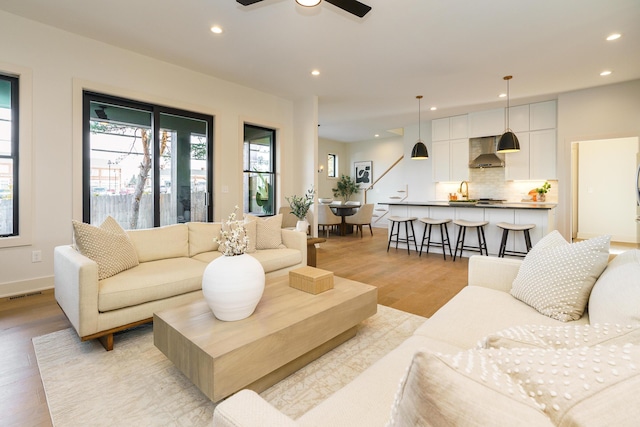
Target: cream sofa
482, 308
171, 259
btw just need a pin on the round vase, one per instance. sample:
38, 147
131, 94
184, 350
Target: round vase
233, 286
542, 197
302, 225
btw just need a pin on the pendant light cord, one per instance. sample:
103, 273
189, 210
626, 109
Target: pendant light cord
419, 134
507, 78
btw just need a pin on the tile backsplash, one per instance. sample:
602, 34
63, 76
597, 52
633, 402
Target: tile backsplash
489, 183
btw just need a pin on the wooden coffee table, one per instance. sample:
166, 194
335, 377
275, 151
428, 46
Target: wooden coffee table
289, 329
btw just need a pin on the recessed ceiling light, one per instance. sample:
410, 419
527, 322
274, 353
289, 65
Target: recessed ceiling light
605, 73
216, 29
614, 36
433, 108
376, 135
315, 73
502, 95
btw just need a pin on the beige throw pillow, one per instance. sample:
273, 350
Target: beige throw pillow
107, 245
268, 231
556, 277
465, 389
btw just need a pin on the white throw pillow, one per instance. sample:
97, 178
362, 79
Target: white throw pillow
556, 277
107, 245
615, 298
465, 389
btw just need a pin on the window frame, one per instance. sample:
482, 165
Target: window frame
156, 110
272, 170
332, 158
14, 156
25, 154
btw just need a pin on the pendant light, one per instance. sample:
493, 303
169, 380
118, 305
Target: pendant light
508, 141
419, 151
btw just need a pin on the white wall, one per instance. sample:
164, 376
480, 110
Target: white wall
611, 111
606, 189
62, 64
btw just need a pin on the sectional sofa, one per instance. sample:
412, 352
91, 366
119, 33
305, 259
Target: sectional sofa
491, 357
154, 269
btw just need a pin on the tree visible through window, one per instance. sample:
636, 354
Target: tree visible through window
145, 165
9, 161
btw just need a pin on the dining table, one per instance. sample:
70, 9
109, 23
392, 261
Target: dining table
344, 211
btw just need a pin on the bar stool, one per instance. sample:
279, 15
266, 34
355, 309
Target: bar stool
506, 227
444, 235
395, 222
462, 232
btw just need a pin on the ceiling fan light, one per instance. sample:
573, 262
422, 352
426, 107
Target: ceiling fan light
508, 143
419, 151
308, 3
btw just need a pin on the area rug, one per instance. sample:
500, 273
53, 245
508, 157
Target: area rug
135, 384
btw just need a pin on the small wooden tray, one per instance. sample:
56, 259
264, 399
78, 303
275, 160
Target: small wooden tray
310, 279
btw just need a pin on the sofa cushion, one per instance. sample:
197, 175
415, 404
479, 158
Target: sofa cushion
476, 312
465, 389
150, 281
268, 231
615, 298
277, 259
201, 237
556, 277
171, 241
107, 245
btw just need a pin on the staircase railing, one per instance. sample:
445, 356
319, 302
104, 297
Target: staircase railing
377, 216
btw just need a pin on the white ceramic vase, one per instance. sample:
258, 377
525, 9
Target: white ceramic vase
233, 286
302, 225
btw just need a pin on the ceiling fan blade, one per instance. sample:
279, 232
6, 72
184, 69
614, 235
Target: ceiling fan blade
248, 2
351, 6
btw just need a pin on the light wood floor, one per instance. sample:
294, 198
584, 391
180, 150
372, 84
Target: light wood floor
406, 282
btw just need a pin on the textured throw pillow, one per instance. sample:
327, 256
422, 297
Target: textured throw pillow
615, 298
268, 231
465, 389
557, 337
107, 245
585, 386
556, 277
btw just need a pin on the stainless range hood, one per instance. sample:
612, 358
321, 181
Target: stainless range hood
483, 153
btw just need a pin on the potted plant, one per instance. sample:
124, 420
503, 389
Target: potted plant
345, 188
542, 191
300, 206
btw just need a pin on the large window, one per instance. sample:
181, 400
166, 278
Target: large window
9, 161
145, 165
259, 170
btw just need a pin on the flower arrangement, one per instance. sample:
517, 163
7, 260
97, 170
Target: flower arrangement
544, 189
233, 236
300, 204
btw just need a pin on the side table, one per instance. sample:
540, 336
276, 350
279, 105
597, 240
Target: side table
311, 249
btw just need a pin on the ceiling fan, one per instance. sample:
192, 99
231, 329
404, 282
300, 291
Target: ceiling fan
352, 6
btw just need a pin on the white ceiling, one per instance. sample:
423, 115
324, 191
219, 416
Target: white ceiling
454, 52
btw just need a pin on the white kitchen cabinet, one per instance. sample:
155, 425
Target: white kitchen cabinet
542, 154
458, 127
536, 159
517, 165
450, 160
519, 118
486, 123
440, 129
542, 115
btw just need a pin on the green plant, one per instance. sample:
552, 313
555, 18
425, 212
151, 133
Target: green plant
263, 193
300, 204
544, 189
345, 188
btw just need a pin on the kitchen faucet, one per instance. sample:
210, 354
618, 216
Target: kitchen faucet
465, 193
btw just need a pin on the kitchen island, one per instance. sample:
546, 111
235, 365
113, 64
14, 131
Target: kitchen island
540, 214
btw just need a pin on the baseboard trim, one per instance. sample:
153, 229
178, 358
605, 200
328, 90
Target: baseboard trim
26, 287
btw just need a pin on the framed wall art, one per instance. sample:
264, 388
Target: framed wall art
363, 173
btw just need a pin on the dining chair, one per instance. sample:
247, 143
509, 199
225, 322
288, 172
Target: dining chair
362, 217
326, 218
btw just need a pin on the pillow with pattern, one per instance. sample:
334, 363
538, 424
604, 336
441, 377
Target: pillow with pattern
556, 277
107, 245
268, 231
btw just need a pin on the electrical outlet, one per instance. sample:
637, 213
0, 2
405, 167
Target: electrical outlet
36, 256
